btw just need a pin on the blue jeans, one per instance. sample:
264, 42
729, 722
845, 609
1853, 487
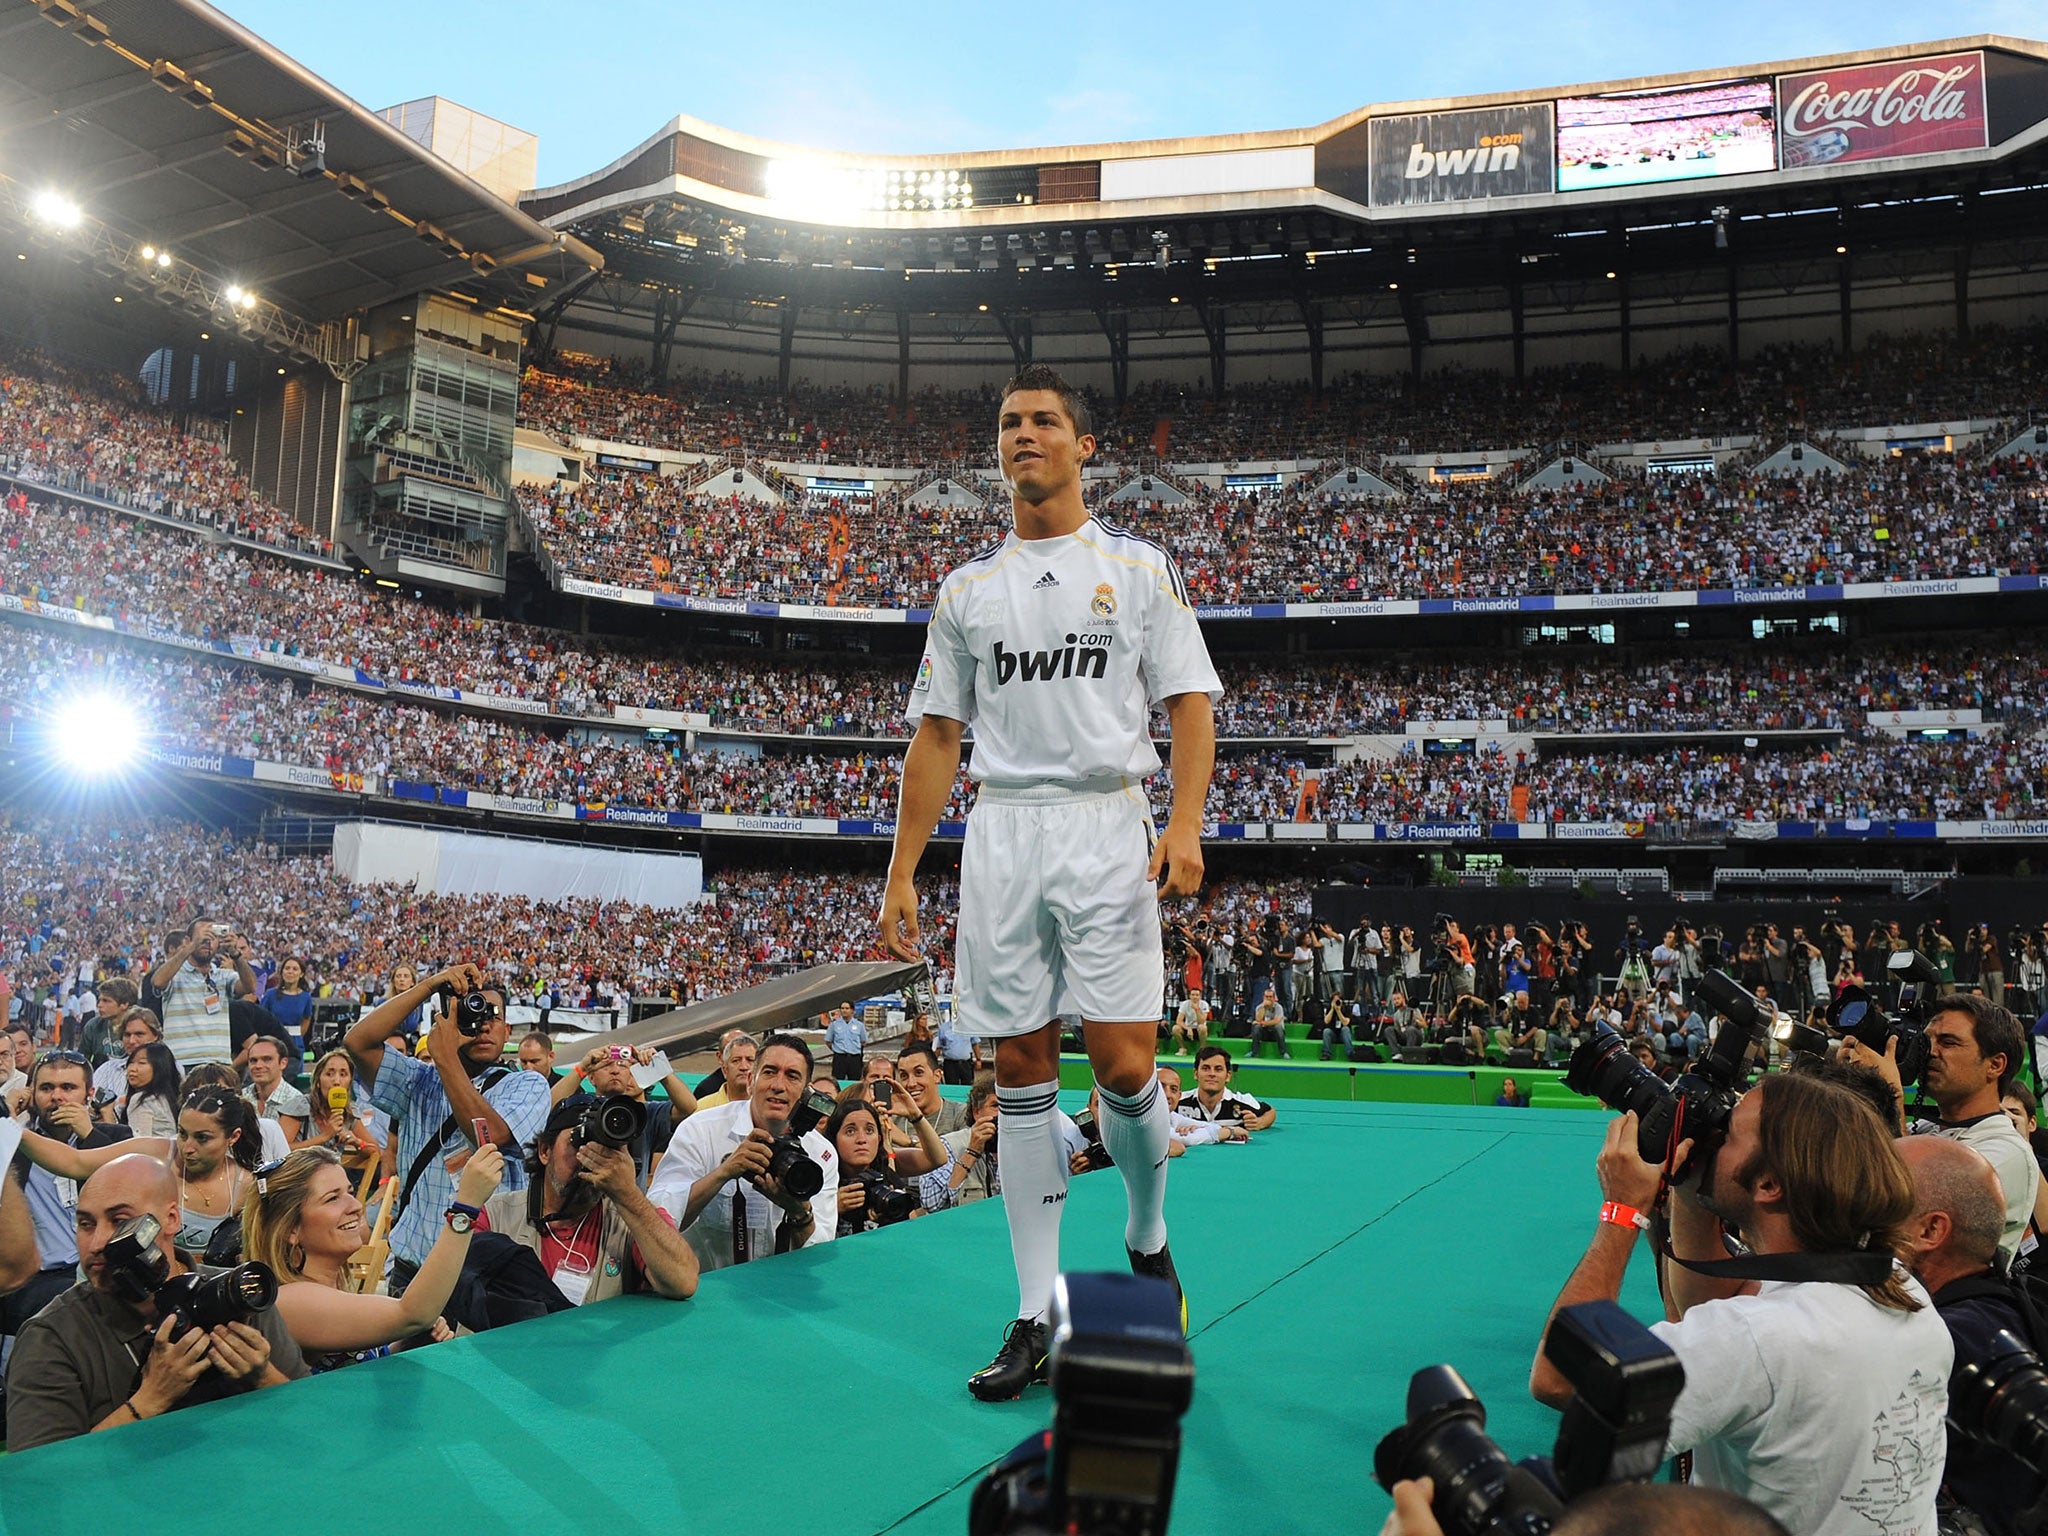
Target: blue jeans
1337, 1032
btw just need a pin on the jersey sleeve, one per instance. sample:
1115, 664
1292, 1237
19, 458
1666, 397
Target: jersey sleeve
944, 684
1175, 657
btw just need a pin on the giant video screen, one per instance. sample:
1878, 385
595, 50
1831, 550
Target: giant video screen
1627, 139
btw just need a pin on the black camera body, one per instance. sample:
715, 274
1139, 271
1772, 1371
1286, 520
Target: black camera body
886, 1203
1698, 1105
610, 1120
788, 1163
1098, 1154
1624, 1382
2003, 1402
140, 1271
1857, 1014
471, 1011
1122, 1378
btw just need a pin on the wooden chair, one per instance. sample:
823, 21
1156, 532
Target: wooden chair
365, 1267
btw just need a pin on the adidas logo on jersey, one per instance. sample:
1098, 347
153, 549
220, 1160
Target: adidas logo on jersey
1053, 666
1047, 580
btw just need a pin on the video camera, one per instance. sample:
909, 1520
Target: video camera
1122, 1378
1857, 1014
1698, 1105
788, 1163
138, 1271
611, 1120
1624, 1381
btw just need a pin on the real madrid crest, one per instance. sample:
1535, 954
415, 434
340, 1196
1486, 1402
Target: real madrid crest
1104, 603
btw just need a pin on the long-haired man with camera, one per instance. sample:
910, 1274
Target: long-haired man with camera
1817, 1392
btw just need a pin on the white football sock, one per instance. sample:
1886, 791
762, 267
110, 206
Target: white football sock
1034, 1170
1135, 1132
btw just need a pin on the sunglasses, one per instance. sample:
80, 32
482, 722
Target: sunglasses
75, 1058
276, 1165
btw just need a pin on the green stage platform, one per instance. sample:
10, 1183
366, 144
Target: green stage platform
823, 1392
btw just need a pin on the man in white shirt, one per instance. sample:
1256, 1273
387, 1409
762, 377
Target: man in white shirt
1821, 1401
1055, 643
1974, 1051
717, 1163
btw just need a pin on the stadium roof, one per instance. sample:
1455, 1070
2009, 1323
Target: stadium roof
167, 122
733, 219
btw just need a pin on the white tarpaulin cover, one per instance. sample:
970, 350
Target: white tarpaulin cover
468, 864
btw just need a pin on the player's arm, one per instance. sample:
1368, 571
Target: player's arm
930, 766
1178, 853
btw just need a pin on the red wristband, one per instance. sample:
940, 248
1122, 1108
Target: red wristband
1617, 1214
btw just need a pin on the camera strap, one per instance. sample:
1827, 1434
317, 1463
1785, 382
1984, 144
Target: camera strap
1832, 1268
484, 1084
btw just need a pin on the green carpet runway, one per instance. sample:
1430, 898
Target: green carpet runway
823, 1392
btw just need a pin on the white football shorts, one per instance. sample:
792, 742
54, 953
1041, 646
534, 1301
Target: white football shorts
1056, 912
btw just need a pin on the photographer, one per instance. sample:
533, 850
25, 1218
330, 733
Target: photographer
92, 1360
715, 1181
304, 1221
436, 1105
1620, 1509
1958, 1215
612, 1069
1269, 1022
196, 986
1190, 1030
1973, 1054
58, 1111
1521, 1029
1363, 951
855, 1131
1799, 1395
970, 1172
584, 1216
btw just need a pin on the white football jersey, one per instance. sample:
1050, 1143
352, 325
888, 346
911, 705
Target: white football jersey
1056, 649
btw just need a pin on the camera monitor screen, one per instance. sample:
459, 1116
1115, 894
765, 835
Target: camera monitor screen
1629, 138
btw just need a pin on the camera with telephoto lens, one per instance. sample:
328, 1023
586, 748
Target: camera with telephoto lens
1698, 1105
886, 1203
1121, 1378
470, 1010
610, 1120
138, 1271
1624, 1381
1857, 1014
2003, 1402
1098, 1154
789, 1165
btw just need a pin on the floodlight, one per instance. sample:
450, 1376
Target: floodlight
94, 735
54, 208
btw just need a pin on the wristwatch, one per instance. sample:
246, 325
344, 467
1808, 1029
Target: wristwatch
460, 1217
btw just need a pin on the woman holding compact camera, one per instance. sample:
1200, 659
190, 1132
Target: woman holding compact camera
302, 1218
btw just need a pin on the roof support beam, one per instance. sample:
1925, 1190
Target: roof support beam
1018, 329
1116, 327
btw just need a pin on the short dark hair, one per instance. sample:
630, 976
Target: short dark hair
1997, 1032
1212, 1050
120, 991
1867, 1083
542, 1036
919, 1048
840, 1115
789, 1042
272, 1041
1044, 376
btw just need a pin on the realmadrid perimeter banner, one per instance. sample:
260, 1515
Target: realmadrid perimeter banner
1441, 157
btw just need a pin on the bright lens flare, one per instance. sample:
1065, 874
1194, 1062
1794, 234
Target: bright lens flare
95, 736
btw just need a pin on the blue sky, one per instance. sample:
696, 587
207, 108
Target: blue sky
923, 78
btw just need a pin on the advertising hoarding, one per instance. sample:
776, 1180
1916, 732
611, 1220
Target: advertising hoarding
1630, 138
1921, 106
1448, 157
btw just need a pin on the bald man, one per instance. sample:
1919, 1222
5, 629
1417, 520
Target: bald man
73, 1371
1626, 1509
1958, 1219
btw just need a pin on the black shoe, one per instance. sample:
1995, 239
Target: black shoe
1160, 1267
1018, 1364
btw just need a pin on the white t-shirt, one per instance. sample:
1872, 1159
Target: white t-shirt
1055, 649
1817, 1404
700, 1144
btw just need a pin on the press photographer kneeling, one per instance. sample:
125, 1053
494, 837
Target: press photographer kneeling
1816, 1371
137, 1337
583, 1213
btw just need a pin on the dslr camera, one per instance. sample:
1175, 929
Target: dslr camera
138, 1271
1857, 1014
610, 1120
1698, 1105
1121, 1379
2003, 1403
1624, 1381
1098, 1154
886, 1203
788, 1163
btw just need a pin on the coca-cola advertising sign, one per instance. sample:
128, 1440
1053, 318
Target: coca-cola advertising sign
1878, 111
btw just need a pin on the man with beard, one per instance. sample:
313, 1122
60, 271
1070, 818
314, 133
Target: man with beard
1820, 1400
585, 1218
